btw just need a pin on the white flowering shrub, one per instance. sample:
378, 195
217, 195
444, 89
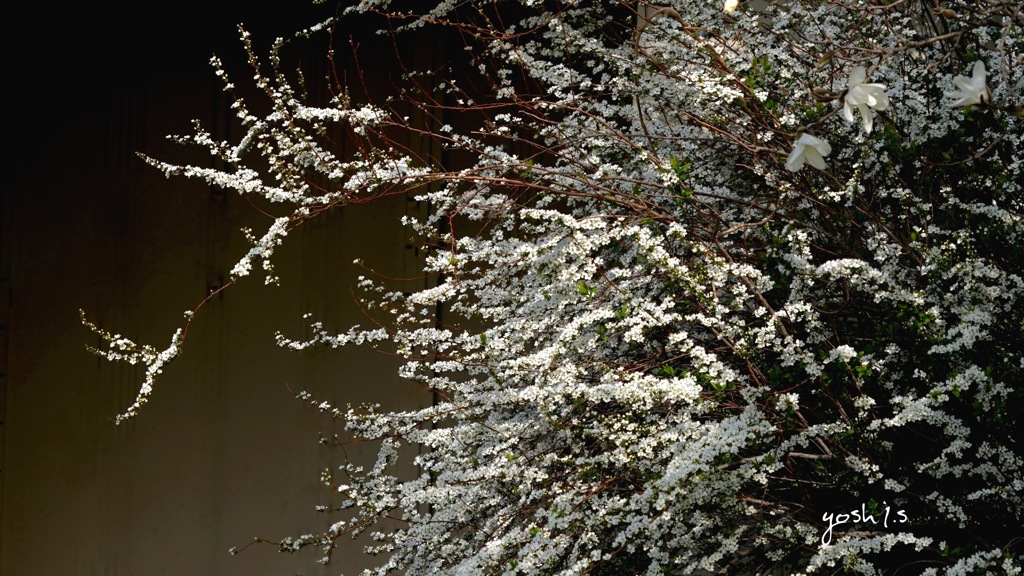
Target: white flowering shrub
729, 288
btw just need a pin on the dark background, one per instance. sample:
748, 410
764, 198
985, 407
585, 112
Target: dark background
222, 453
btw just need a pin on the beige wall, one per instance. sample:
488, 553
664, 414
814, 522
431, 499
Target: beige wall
222, 453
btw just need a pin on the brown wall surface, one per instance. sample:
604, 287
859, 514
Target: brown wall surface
223, 452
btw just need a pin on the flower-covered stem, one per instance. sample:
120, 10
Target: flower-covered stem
667, 346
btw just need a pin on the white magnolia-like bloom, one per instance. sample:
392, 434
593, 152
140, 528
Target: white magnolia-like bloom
808, 149
863, 96
971, 90
730, 6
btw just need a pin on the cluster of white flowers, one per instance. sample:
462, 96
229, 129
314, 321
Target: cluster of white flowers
121, 349
664, 350
864, 97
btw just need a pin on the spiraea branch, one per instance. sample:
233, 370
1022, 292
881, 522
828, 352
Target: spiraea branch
709, 274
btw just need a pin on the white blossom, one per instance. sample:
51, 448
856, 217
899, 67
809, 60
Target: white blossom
863, 96
971, 90
809, 149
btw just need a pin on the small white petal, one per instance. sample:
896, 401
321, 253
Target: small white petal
820, 145
971, 90
866, 118
881, 99
796, 159
857, 76
814, 158
979, 72
808, 149
863, 96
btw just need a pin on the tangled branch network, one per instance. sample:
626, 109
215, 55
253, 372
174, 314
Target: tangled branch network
727, 288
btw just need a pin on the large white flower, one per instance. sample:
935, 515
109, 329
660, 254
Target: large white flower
808, 149
863, 96
972, 90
